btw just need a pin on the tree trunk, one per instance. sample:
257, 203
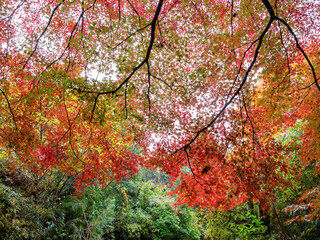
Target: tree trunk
265, 218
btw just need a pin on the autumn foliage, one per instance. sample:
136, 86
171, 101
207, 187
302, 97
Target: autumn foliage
202, 89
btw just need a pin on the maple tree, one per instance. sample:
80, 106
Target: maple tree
202, 87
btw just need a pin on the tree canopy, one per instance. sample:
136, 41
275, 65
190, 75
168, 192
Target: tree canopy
203, 89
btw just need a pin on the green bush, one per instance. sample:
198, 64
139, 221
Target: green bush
43, 207
239, 223
29, 208
130, 209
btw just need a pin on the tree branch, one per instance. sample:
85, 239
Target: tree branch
301, 50
146, 59
238, 90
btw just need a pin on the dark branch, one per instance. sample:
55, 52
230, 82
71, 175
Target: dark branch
269, 8
146, 59
44, 31
9, 105
301, 50
188, 159
238, 90
132, 34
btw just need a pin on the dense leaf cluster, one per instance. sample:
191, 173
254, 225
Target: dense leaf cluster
221, 95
